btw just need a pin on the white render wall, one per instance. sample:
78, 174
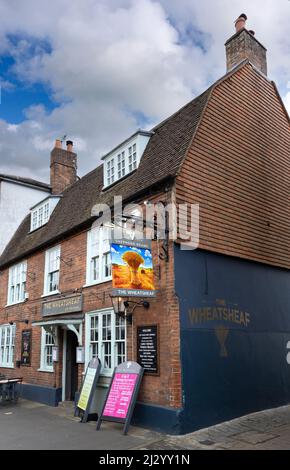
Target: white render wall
15, 203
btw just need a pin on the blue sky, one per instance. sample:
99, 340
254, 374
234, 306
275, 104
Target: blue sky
97, 70
17, 98
117, 252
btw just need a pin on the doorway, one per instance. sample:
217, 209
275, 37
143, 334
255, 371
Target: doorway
71, 367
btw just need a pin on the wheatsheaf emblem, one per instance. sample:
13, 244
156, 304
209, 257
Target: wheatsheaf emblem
221, 317
222, 333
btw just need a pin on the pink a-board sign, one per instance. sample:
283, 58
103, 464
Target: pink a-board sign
120, 396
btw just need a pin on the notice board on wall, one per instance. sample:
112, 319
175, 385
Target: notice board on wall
88, 388
26, 347
148, 348
122, 394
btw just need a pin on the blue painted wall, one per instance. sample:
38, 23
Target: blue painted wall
235, 326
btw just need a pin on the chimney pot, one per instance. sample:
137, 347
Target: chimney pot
69, 145
58, 144
244, 45
240, 23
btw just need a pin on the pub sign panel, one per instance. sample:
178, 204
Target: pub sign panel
70, 304
132, 268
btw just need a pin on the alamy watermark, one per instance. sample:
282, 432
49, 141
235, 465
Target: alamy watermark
150, 221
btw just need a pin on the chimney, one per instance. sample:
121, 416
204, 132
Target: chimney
243, 45
63, 167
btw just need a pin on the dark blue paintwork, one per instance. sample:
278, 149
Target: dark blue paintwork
47, 395
252, 374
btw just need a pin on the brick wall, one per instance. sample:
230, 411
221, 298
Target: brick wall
163, 389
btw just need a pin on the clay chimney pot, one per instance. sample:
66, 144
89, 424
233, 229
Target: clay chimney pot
240, 23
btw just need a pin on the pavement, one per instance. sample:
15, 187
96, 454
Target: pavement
30, 425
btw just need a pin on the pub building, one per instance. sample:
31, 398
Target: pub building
215, 337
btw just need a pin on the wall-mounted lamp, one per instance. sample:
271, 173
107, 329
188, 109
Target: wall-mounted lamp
125, 308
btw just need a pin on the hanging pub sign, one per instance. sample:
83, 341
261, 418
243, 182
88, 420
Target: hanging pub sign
26, 348
147, 348
132, 268
122, 395
88, 389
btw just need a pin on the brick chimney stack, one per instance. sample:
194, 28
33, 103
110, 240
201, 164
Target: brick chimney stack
63, 167
243, 45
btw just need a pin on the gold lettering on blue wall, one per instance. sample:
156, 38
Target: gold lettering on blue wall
222, 318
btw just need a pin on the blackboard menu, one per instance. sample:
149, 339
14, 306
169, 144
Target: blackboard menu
26, 348
147, 348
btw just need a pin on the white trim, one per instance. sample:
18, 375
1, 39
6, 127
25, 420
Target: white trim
57, 249
55, 292
108, 372
12, 336
16, 303
13, 273
46, 206
101, 253
43, 367
45, 370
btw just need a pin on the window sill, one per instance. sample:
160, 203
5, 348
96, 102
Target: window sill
16, 303
7, 367
95, 283
50, 371
51, 293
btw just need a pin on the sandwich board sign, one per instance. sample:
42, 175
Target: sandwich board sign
88, 389
122, 394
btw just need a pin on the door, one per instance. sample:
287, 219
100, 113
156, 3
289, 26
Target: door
71, 375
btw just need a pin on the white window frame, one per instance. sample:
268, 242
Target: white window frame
7, 351
44, 366
100, 314
40, 215
103, 250
47, 270
17, 283
117, 162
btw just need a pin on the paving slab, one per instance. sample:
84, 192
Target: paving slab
30, 425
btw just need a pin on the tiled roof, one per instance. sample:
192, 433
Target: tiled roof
162, 159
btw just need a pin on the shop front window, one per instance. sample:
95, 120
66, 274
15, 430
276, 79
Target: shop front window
106, 339
7, 344
47, 343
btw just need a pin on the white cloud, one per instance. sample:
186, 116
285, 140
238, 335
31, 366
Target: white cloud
110, 60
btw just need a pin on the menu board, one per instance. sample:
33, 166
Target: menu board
26, 348
147, 348
122, 394
89, 387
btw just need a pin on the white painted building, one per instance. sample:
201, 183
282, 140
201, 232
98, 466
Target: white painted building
17, 196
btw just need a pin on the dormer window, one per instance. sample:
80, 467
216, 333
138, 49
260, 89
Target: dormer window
125, 158
41, 213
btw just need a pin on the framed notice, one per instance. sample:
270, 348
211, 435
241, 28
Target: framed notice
148, 348
122, 394
88, 388
26, 347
